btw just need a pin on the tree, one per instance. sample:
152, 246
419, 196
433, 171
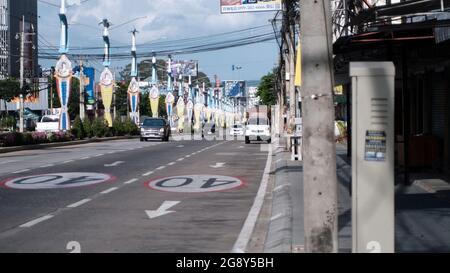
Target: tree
266, 89
9, 89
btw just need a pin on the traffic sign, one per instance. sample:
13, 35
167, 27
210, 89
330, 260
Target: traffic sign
56, 181
196, 183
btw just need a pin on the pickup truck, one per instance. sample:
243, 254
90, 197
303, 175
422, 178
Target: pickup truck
49, 123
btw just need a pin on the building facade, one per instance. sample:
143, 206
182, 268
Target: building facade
11, 14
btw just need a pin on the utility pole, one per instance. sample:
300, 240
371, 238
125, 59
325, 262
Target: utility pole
22, 57
289, 25
319, 147
23, 35
82, 106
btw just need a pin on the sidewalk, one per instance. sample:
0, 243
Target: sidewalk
422, 210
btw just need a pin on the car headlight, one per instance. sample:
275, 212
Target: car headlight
161, 130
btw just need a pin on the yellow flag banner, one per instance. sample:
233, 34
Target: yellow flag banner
180, 113
298, 66
107, 96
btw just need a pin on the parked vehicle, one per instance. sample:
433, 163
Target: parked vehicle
155, 128
48, 123
237, 130
258, 129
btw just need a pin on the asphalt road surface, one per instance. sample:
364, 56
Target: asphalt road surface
128, 196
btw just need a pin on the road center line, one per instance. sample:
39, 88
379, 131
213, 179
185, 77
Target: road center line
161, 168
80, 203
171, 163
36, 221
47, 166
84, 158
22, 171
180, 159
68, 161
109, 190
148, 174
131, 181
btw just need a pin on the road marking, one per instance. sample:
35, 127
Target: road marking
180, 146
6, 162
84, 158
171, 163
36, 221
115, 164
109, 190
218, 165
180, 159
68, 161
188, 156
161, 168
131, 181
57, 181
244, 237
196, 183
162, 210
47, 166
22, 171
80, 203
148, 174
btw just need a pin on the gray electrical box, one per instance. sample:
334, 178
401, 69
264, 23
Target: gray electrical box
373, 211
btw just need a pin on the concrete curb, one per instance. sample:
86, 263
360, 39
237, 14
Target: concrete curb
280, 231
60, 144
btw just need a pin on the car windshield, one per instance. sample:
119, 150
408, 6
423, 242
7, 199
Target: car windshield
154, 123
49, 119
258, 121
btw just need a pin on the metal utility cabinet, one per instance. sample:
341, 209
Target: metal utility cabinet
373, 160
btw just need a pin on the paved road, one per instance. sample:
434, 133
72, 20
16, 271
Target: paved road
115, 196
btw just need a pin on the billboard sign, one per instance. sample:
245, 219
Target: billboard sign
234, 88
240, 6
184, 68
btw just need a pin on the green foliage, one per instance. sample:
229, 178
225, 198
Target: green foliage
99, 127
118, 127
78, 128
125, 128
266, 90
144, 105
87, 126
7, 123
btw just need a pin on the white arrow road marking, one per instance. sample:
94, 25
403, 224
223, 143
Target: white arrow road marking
163, 209
115, 164
218, 165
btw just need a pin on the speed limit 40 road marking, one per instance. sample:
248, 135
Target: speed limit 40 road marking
56, 181
196, 183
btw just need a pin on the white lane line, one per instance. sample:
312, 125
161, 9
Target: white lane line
22, 171
161, 168
171, 163
36, 221
188, 156
131, 181
148, 174
79, 204
180, 159
47, 166
99, 155
84, 158
109, 190
68, 161
244, 237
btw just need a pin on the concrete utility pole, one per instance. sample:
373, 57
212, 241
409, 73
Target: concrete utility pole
290, 56
82, 106
22, 57
319, 149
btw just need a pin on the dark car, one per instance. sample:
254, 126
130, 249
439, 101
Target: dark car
155, 128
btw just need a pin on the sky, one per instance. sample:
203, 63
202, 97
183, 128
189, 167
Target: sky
165, 20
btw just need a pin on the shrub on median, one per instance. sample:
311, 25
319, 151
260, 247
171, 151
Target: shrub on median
78, 128
99, 127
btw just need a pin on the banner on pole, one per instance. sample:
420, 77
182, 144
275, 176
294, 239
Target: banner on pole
242, 6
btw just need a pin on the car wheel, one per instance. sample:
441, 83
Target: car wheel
269, 141
142, 139
247, 140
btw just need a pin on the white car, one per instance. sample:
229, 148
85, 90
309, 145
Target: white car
258, 129
49, 123
237, 130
